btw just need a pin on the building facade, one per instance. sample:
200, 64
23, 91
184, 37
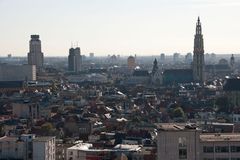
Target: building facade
131, 62
198, 54
74, 60
86, 151
35, 55
27, 147
26, 110
17, 72
175, 142
44, 148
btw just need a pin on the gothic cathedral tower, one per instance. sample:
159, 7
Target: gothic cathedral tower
198, 57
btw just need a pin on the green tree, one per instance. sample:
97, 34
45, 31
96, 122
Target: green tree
47, 128
223, 105
178, 113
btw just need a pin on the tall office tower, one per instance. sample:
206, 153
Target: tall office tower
74, 60
232, 61
35, 55
162, 57
91, 55
131, 62
198, 57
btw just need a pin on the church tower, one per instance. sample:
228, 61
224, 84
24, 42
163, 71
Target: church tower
198, 57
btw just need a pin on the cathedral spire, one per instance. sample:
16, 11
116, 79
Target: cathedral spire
198, 27
198, 57
155, 66
198, 41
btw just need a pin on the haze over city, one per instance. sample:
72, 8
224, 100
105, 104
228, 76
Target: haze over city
142, 27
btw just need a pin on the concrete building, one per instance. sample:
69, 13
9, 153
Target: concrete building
188, 143
86, 151
44, 148
131, 62
27, 147
139, 77
74, 60
232, 91
26, 110
198, 54
176, 57
35, 55
17, 72
188, 58
162, 58
91, 55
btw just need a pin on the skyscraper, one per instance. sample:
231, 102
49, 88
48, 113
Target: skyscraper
198, 57
74, 59
35, 55
131, 62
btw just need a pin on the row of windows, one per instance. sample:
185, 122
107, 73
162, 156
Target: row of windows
221, 158
221, 149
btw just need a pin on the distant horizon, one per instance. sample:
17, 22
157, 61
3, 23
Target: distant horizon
156, 55
142, 27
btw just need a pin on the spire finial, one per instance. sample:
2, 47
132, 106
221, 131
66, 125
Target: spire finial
198, 21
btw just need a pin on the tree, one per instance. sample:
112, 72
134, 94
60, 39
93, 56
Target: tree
223, 105
47, 128
178, 113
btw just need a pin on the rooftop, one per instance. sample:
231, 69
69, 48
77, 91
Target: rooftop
220, 137
118, 148
175, 126
8, 139
43, 139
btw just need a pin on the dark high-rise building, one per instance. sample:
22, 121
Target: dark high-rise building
35, 55
155, 67
162, 57
198, 57
74, 59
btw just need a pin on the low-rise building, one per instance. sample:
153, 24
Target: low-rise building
187, 142
26, 110
27, 147
17, 72
86, 151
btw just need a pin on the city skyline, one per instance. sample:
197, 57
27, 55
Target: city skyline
127, 27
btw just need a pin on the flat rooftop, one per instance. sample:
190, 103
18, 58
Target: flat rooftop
8, 139
43, 139
217, 137
87, 147
175, 127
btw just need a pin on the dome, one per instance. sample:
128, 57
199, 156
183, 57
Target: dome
223, 61
130, 57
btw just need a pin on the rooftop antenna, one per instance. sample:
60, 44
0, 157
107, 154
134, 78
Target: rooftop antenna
71, 44
77, 44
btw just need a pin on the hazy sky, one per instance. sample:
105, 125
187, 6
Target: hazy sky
142, 27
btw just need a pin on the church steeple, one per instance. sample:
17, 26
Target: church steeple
198, 57
199, 27
155, 66
198, 41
